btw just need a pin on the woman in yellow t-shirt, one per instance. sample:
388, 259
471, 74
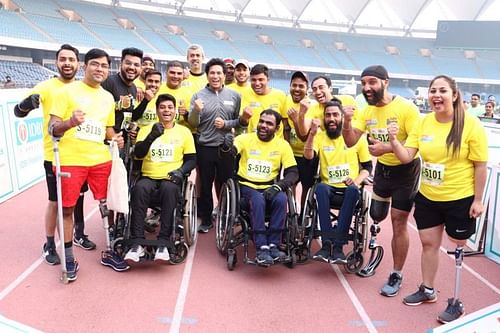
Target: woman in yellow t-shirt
454, 151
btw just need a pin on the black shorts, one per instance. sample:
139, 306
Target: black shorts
50, 178
453, 214
399, 182
307, 170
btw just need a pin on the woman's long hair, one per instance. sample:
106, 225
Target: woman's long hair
454, 139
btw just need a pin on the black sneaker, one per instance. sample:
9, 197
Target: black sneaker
392, 286
275, 253
263, 257
71, 268
84, 242
338, 256
324, 253
420, 296
454, 310
50, 255
205, 227
113, 260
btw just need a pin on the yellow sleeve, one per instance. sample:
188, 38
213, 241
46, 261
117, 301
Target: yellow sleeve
478, 143
413, 136
189, 147
64, 107
287, 158
362, 147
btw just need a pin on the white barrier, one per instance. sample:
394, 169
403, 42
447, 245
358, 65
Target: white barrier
21, 146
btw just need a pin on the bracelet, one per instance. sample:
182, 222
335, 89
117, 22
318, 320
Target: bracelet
308, 148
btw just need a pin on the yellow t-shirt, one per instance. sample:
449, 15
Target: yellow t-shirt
261, 161
445, 177
195, 82
337, 161
48, 91
182, 97
239, 89
375, 120
83, 145
149, 116
275, 99
139, 84
167, 151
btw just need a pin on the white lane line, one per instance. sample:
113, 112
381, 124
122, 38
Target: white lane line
468, 268
355, 301
32, 267
181, 296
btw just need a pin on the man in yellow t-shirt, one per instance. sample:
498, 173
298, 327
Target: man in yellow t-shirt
260, 98
197, 79
168, 154
83, 118
147, 65
394, 183
44, 93
174, 87
340, 177
262, 156
241, 75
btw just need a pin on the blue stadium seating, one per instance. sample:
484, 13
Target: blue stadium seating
12, 25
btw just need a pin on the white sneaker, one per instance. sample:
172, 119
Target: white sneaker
135, 253
162, 254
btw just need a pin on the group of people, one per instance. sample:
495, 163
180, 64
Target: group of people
202, 120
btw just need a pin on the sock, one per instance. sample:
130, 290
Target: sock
400, 273
50, 241
428, 290
68, 250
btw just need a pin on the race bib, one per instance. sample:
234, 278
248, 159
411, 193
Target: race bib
338, 173
162, 152
433, 173
148, 117
259, 169
380, 134
90, 130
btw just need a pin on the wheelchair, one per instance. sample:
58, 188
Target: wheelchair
184, 232
358, 230
233, 227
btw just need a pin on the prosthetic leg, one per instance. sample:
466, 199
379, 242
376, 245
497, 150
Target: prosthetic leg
379, 209
455, 308
60, 218
103, 208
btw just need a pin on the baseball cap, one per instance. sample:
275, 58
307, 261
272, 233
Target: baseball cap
229, 61
147, 57
299, 74
378, 71
243, 62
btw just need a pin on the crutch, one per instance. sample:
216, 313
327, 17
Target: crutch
60, 218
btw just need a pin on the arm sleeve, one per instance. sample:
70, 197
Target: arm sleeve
290, 177
368, 166
188, 164
139, 110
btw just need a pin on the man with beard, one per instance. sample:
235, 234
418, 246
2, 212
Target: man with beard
168, 154
393, 182
230, 68
215, 112
122, 87
197, 79
174, 87
241, 75
340, 177
148, 64
44, 93
262, 156
83, 118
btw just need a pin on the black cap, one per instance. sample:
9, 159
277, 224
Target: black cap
301, 75
378, 71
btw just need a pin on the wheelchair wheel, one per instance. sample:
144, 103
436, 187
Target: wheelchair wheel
226, 213
309, 218
293, 260
354, 262
181, 252
190, 217
118, 246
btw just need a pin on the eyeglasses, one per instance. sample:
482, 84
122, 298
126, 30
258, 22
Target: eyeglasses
98, 64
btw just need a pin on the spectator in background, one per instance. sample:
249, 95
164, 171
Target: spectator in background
230, 68
9, 84
475, 107
489, 108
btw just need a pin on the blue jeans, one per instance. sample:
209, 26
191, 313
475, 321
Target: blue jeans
325, 196
257, 212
